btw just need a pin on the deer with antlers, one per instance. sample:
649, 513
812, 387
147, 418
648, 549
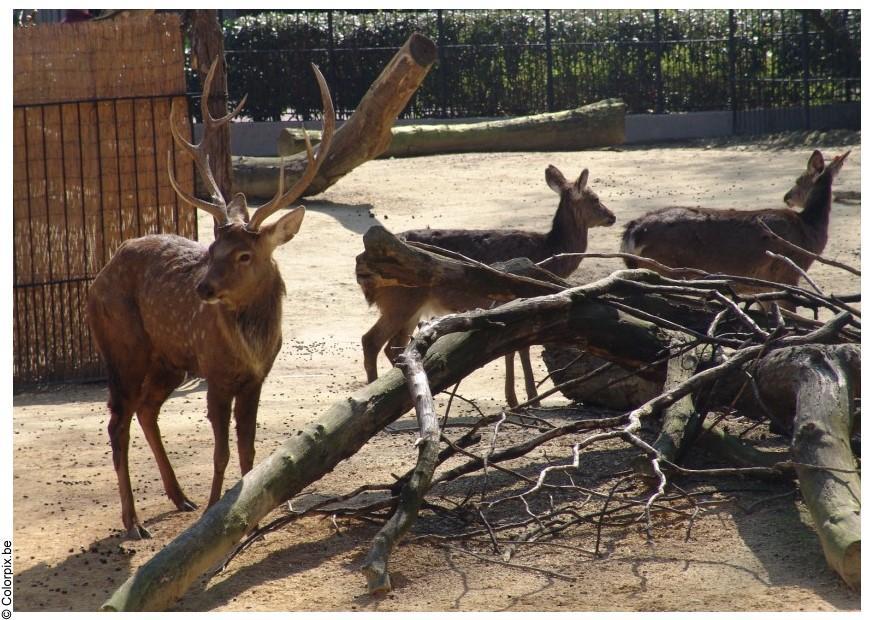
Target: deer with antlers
166, 306
734, 242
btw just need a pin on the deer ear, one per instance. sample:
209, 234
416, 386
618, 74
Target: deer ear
285, 228
555, 179
815, 162
582, 179
238, 208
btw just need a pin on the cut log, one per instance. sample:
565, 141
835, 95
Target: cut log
612, 388
376, 563
822, 383
361, 138
349, 423
681, 421
459, 344
591, 126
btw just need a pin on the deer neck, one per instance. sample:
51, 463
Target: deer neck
816, 213
568, 235
254, 331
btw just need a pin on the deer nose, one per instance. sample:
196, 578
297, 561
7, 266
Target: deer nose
205, 291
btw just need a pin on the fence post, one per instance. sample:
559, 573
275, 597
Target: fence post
332, 70
733, 93
849, 58
442, 65
657, 33
806, 72
548, 36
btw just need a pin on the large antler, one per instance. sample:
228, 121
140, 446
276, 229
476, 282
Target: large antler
218, 208
282, 200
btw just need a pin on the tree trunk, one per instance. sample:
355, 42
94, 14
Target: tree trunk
590, 126
363, 137
349, 423
613, 387
207, 43
462, 343
822, 383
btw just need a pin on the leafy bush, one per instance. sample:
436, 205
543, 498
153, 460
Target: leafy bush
494, 62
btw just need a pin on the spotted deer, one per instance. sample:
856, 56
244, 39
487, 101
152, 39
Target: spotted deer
166, 306
733, 242
401, 307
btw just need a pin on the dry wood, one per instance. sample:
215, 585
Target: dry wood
418, 482
361, 138
457, 344
680, 421
595, 125
823, 382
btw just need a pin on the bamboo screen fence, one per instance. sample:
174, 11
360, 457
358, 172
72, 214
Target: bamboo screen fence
91, 103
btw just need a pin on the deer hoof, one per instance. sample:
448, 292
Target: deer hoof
186, 505
138, 532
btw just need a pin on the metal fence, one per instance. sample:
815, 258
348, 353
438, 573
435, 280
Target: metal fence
502, 62
90, 143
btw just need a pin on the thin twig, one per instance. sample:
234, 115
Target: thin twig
826, 261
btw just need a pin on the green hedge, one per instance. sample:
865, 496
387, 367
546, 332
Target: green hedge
494, 62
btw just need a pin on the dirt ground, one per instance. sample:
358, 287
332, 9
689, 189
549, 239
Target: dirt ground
69, 550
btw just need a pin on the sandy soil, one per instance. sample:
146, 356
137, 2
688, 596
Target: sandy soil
69, 553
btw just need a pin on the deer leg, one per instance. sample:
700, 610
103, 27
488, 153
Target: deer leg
528, 374
119, 428
245, 413
158, 386
374, 340
126, 353
509, 380
398, 311
401, 339
219, 414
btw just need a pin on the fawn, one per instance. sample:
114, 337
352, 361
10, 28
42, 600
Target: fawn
401, 307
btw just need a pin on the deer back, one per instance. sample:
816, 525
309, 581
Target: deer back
579, 210
733, 242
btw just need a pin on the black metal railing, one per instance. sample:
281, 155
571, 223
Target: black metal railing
87, 175
501, 62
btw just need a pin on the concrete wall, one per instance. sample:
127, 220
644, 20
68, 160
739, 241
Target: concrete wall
683, 126
259, 139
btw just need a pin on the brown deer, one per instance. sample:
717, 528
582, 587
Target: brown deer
795, 197
732, 242
165, 306
400, 307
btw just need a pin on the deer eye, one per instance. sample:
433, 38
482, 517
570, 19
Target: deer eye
244, 257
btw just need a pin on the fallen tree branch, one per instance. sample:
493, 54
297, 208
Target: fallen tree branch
364, 136
787, 244
375, 566
456, 345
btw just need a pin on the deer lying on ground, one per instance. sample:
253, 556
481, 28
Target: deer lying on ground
165, 306
733, 242
401, 307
